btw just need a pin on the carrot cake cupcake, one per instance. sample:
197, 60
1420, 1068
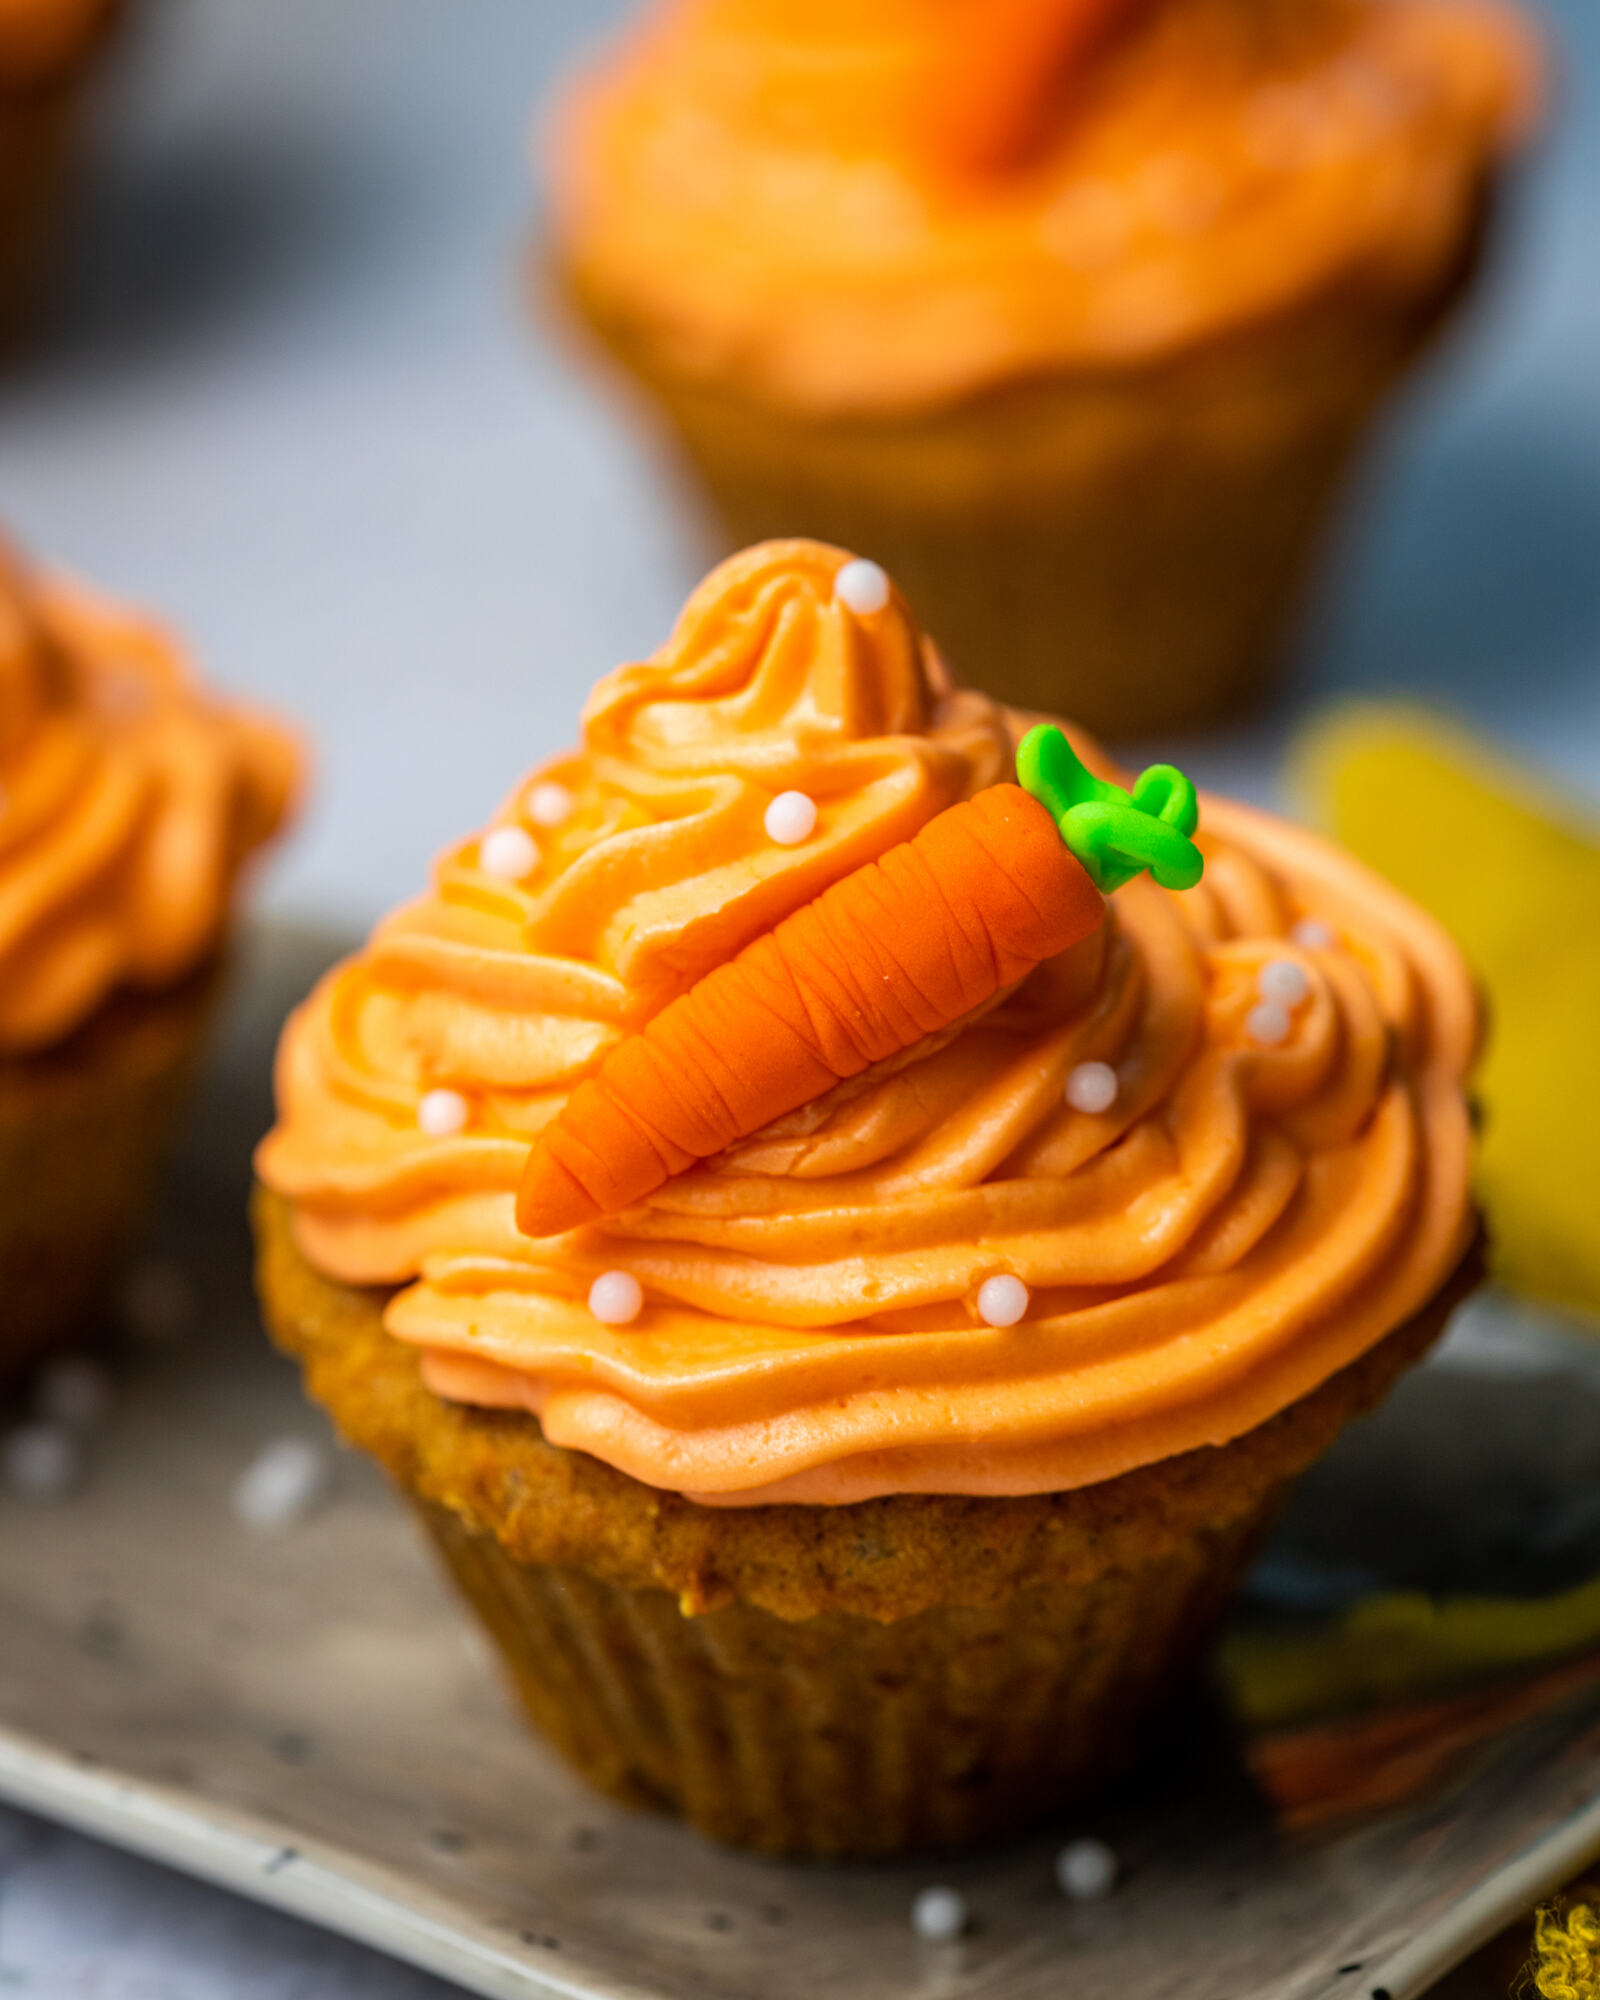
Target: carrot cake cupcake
843, 1261
129, 801
47, 48
1069, 312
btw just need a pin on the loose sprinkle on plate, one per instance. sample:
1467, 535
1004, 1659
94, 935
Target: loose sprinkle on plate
939, 1915
40, 1462
281, 1485
1086, 1870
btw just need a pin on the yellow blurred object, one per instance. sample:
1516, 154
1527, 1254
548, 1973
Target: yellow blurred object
1401, 1646
1513, 871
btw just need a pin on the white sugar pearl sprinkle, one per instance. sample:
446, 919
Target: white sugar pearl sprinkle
40, 1462
791, 818
281, 1485
616, 1298
939, 1915
1313, 935
549, 804
1086, 1870
862, 587
509, 852
1284, 981
442, 1113
73, 1391
1092, 1087
1268, 1024
1002, 1301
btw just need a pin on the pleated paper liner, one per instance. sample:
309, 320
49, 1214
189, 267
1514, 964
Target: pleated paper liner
857, 1711
1128, 547
82, 1130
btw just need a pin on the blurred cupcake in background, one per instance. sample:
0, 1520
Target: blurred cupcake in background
47, 48
1070, 312
129, 801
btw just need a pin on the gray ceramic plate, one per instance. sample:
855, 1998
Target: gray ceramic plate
305, 1717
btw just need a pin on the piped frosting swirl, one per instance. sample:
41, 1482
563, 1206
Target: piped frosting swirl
128, 803
1250, 1213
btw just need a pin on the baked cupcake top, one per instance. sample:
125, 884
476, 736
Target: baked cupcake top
38, 38
1211, 1154
840, 206
128, 802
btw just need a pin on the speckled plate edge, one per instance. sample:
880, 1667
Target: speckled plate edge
327, 1887
272, 1865
1507, 1894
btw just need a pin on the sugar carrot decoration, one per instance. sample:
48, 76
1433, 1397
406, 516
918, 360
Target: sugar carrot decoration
994, 99
896, 951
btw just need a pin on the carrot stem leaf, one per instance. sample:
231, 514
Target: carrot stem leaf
1114, 833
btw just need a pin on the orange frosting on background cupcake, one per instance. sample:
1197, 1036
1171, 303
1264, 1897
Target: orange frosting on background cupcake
38, 37
1268, 1195
849, 207
128, 802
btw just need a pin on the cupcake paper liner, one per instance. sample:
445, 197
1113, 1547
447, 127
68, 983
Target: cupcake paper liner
36, 143
40, 123
1126, 547
82, 1129
839, 1736
913, 1673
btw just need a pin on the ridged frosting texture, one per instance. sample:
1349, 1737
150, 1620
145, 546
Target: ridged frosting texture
129, 800
1244, 1219
753, 189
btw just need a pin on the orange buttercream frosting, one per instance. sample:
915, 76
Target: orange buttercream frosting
128, 802
850, 206
1266, 1197
38, 36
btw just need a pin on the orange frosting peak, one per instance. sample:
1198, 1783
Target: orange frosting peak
766, 685
766, 672
128, 803
1278, 1177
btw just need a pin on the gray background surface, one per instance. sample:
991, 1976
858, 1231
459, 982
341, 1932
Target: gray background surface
294, 402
